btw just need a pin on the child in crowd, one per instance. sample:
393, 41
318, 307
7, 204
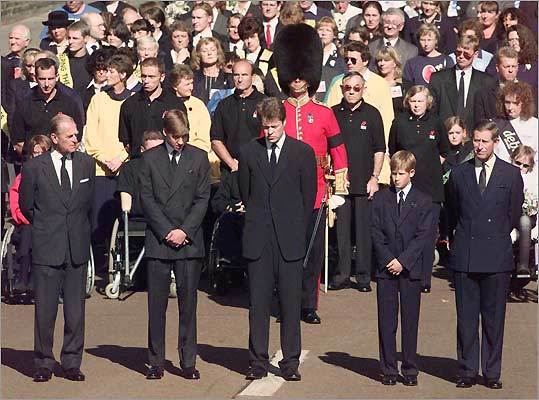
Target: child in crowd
22, 236
523, 157
461, 148
400, 227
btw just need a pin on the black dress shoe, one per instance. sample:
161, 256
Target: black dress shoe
42, 375
291, 375
339, 286
190, 373
494, 384
155, 373
311, 317
255, 374
409, 380
425, 289
389, 380
465, 383
364, 289
74, 374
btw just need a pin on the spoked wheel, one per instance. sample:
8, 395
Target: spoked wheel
111, 291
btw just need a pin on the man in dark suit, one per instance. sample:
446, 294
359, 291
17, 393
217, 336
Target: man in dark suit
55, 196
485, 204
277, 180
174, 193
271, 23
401, 227
455, 89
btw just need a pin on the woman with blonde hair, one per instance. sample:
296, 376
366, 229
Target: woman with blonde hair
208, 62
420, 131
389, 67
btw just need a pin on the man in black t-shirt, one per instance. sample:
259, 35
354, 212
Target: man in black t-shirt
77, 36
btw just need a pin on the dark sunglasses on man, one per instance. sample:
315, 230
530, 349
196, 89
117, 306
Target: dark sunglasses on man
356, 88
466, 55
519, 164
353, 60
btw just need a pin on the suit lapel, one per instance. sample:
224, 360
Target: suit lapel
76, 167
451, 87
409, 204
475, 85
493, 180
184, 168
50, 172
263, 161
163, 165
283, 161
471, 180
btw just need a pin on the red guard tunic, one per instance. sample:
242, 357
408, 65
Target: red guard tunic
316, 125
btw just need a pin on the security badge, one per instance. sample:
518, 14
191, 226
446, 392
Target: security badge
432, 135
363, 125
310, 118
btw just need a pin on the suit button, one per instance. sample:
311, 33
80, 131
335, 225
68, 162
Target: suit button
488, 237
489, 220
473, 238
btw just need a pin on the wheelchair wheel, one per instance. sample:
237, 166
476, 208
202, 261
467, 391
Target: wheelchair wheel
436, 258
172, 290
213, 261
112, 248
7, 251
111, 292
90, 275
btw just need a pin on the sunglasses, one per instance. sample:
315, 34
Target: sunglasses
519, 164
466, 55
356, 88
353, 60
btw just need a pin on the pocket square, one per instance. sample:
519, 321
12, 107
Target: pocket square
84, 180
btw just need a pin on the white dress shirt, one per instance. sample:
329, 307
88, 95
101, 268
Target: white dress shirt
273, 26
341, 19
278, 148
467, 79
252, 57
405, 190
57, 162
489, 164
170, 149
206, 33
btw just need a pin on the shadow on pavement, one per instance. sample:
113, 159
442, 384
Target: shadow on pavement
128, 357
440, 367
232, 358
21, 361
367, 367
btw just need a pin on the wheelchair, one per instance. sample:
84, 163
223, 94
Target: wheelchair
225, 259
10, 293
525, 271
124, 258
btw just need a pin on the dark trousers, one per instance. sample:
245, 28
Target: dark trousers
486, 295
22, 239
361, 223
269, 271
187, 274
387, 296
430, 246
311, 272
48, 281
105, 208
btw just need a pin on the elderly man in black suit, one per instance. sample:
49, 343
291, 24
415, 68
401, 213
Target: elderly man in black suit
174, 193
277, 180
55, 196
455, 89
485, 203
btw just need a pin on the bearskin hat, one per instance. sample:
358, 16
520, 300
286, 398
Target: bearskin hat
298, 54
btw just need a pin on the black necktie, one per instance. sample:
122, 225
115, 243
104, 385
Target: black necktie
173, 160
273, 158
388, 43
64, 178
401, 202
482, 178
460, 100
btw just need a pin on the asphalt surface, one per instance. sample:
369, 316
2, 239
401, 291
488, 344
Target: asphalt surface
341, 354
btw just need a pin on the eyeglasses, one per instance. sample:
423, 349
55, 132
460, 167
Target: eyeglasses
353, 60
356, 88
465, 54
519, 164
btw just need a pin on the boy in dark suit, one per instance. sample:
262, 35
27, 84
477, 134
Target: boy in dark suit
401, 216
174, 194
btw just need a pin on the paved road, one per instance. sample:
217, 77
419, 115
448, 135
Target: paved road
340, 355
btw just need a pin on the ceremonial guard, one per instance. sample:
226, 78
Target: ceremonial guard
298, 57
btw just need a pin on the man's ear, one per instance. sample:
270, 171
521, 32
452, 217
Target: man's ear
412, 173
162, 78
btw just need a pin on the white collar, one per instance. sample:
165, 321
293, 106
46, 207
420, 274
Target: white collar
56, 155
170, 149
272, 22
405, 190
489, 163
313, 8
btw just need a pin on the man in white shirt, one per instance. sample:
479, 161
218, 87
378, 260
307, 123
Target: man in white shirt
270, 13
342, 13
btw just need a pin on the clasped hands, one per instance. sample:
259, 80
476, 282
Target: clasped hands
114, 164
394, 267
176, 238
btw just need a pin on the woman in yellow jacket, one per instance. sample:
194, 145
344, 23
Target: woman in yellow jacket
102, 143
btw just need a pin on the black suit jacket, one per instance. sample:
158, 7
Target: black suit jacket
284, 202
58, 222
402, 237
484, 105
483, 223
178, 201
443, 85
